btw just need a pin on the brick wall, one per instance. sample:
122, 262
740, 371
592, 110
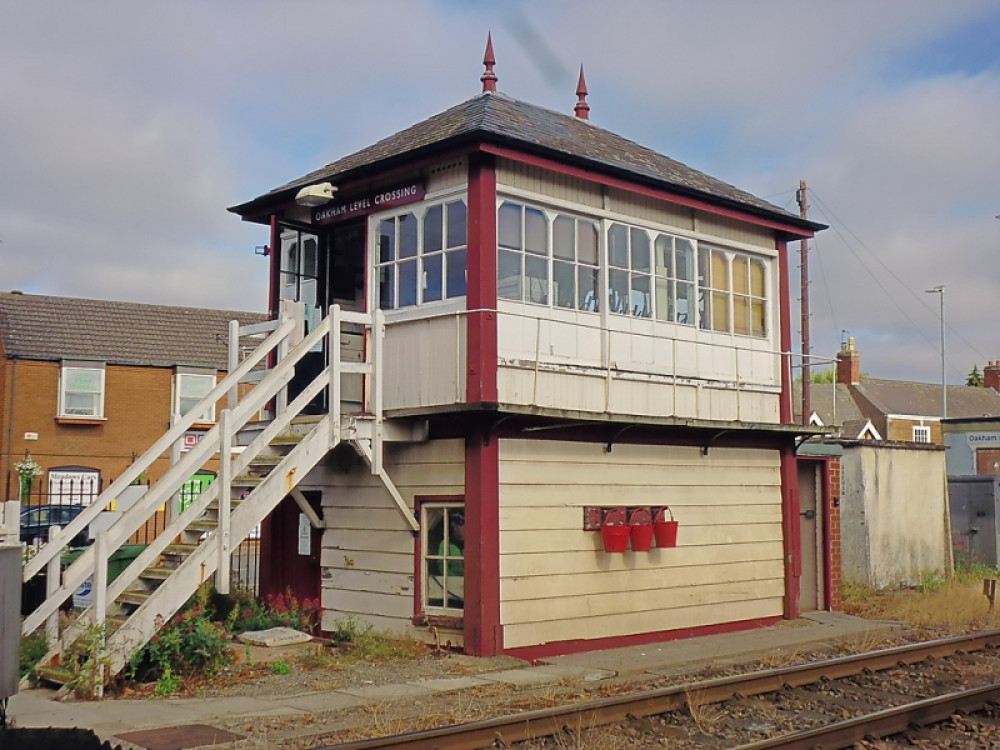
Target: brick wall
137, 404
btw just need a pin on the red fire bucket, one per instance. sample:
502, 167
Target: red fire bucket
641, 530
664, 529
614, 531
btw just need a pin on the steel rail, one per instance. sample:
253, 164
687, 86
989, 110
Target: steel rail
883, 723
591, 714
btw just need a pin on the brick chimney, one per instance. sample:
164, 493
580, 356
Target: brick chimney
849, 364
991, 375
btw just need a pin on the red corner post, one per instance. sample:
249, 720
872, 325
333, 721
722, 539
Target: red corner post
481, 292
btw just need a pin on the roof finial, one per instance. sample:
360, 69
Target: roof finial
582, 109
489, 78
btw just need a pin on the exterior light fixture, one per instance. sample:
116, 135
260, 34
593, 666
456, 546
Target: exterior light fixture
315, 195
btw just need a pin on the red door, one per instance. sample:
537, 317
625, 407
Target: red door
290, 550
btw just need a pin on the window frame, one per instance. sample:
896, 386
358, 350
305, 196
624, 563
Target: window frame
423, 609
65, 369
181, 373
921, 430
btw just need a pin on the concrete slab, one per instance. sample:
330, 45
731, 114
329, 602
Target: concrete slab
449, 684
388, 692
317, 703
524, 679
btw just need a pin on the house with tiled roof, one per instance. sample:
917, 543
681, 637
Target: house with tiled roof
532, 395
87, 385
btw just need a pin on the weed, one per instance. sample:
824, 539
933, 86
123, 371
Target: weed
280, 667
33, 648
189, 644
348, 629
706, 715
168, 684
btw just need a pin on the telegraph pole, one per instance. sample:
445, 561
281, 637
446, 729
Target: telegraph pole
802, 198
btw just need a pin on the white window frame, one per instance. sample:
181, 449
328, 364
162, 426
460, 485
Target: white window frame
182, 374
66, 373
921, 433
441, 579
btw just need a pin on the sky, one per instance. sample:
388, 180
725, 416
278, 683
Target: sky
128, 128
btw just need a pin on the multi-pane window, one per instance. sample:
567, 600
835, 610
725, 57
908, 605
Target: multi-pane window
190, 388
921, 434
748, 296
575, 264
81, 390
629, 267
522, 253
299, 267
443, 544
675, 279
422, 258
731, 292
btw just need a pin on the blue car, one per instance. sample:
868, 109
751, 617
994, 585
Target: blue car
36, 520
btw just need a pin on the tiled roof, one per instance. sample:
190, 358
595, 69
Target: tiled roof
831, 401
924, 399
496, 118
129, 333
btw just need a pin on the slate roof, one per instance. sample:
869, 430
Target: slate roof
831, 401
496, 118
126, 333
924, 399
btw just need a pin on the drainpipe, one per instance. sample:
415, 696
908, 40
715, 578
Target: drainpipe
10, 427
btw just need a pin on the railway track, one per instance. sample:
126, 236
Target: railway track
827, 704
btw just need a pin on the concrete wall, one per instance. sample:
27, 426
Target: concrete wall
895, 526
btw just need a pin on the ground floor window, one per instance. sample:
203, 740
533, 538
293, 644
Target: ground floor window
443, 561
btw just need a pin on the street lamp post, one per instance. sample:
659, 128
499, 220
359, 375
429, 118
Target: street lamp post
939, 289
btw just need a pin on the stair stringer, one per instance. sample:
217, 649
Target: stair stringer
171, 595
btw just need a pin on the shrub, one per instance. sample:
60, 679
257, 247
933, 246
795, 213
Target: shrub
33, 648
278, 610
188, 645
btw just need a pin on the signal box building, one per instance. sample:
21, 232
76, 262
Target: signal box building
578, 331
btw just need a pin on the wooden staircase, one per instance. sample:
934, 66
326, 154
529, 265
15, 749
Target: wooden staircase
197, 542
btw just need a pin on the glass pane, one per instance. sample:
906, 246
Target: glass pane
509, 274
434, 542
741, 315
685, 303
509, 225
310, 256
564, 284
563, 238
757, 278
618, 245
589, 294
81, 404
536, 275
639, 302
290, 254
83, 380
586, 242
720, 311
386, 241
387, 288
664, 310
684, 257
640, 250
432, 229
720, 275
741, 282
457, 230
618, 292
289, 286
195, 386
757, 318
407, 283
433, 265
455, 260
407, 236
536, 232
664, 254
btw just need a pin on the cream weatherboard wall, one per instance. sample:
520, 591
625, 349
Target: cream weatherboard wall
367, 559
558, 584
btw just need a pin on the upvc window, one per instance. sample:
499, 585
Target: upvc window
921, 434
675, 279
190, 388
443, 543
522, 253
81, 390
629, 268
422, 257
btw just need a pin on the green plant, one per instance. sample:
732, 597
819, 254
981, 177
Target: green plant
280, 667
168, 684
190, 644
276, 610
348, 629
33, 647
87, 662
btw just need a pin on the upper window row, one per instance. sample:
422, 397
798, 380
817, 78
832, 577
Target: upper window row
647, 274
422, 256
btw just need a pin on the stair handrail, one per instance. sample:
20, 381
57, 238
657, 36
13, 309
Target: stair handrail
176, 475
48, 551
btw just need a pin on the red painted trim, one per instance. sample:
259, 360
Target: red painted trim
615, 182
559, 648
481, 291
483, 635
273, 282
418, 551
786, 414
828, 598
792, 530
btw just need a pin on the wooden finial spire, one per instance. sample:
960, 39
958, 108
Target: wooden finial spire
582, 109
489, 78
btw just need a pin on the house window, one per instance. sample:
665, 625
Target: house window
522, 253
190, 389
81, 390
443, 529
422, 258
921, 434
675, 279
